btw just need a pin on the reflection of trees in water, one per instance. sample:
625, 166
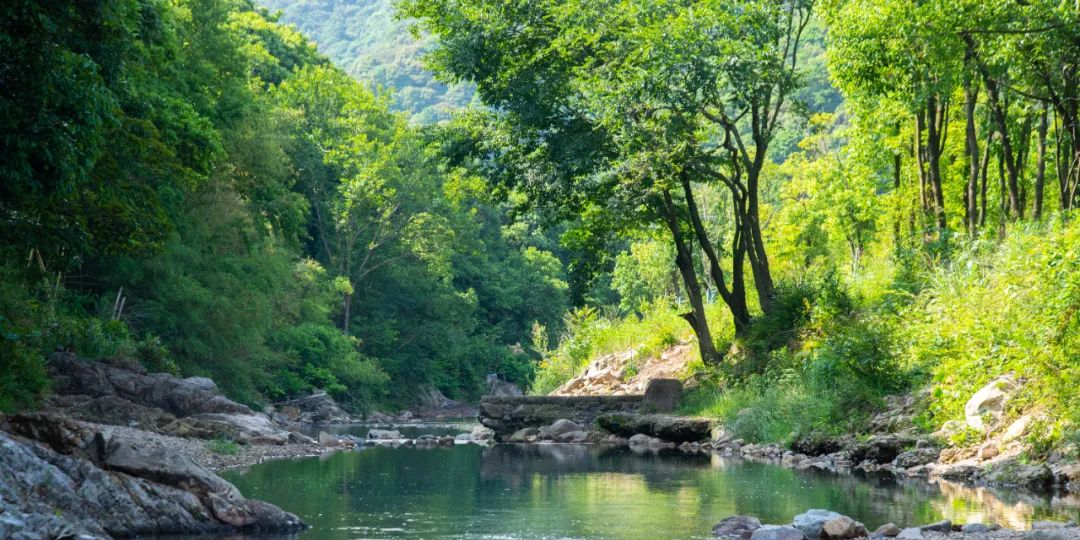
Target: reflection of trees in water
598, 492
529, 459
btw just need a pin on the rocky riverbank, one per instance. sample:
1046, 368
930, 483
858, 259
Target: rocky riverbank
61, 478
826, 525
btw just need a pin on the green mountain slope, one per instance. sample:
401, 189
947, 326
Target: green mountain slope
363, 38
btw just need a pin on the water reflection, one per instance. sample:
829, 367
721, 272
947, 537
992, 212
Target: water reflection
569, 491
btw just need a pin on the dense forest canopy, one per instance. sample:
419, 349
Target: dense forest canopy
832, 200
191, 183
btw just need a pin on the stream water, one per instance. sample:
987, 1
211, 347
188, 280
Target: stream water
534, 492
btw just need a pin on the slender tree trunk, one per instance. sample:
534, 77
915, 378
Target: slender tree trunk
971, 195
896, 189
936, 117
347, 310
985, 173
759, 260
1040, 166
920, 156
1008, 154
684, 261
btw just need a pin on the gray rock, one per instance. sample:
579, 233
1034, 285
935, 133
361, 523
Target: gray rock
974, 528
500, 388
296, 437
1044, 525
384, 434
578, 436
777, 532
558, 428
244, 428
75, 480
910, 533
524, 435
317, 408
180, 397
736, 527
1045, 534
843, 528
989, 400
202, 383
667, 427
663, 395
482, 434
943, 526
888, 530
328, 440
881, 448
812, 521
917, 457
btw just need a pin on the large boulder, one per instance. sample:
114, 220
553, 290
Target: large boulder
736, 527
114, 377
989, 401
663, 395
559, 427
60, 478
812, 522
843, 528
243, 428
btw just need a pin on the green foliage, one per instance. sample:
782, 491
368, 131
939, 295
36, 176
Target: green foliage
223, 446
202, 191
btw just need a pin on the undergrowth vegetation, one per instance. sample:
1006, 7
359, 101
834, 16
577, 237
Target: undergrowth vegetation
822, 365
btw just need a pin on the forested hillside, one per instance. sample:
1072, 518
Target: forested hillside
918, 235
831, 201
192, 185
367, 40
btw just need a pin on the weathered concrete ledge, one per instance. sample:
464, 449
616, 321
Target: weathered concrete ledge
505, 415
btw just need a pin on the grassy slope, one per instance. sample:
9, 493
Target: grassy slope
950, 328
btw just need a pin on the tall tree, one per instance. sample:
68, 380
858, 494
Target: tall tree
629, 105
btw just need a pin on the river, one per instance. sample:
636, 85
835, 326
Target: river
547, 491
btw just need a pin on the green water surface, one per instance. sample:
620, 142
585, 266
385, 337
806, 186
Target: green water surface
534, 492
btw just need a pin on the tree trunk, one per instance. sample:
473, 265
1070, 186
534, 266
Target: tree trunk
1040, 166
936, 119
347, 310
971, 195
759, 260
735, 298
684, 261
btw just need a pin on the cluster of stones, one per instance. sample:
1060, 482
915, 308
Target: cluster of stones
828, 525
392, 437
